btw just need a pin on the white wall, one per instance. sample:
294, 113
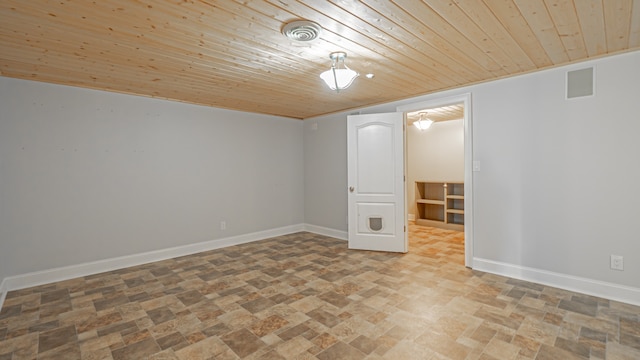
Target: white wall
435, 154
325, 172
88, 175
557, 191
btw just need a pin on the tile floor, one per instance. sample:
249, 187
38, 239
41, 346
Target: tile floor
306, 296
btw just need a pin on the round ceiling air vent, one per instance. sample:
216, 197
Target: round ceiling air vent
303, 30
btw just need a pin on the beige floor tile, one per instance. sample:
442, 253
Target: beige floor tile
306, 296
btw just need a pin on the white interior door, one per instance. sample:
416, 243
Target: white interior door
376, 182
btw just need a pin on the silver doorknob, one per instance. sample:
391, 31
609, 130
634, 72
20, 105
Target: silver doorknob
351, 188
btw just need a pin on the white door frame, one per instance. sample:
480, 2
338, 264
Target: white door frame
468, 162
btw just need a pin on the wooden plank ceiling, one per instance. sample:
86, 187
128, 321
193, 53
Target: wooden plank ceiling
232, 54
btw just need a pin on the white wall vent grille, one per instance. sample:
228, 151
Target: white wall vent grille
580, 83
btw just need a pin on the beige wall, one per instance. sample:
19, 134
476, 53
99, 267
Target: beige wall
435, 154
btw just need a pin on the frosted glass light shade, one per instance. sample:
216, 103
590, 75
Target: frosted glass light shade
339, 76
423, 124
343, 78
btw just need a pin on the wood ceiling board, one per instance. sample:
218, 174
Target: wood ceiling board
536, 14
232, 54
591, 15
634, 36
491, 26
424, 38
161, 69
564, 16
429, 17
617, 20
469, 29
509, 15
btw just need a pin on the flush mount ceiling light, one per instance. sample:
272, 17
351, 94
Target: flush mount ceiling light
302, 30
423, 123
339, 77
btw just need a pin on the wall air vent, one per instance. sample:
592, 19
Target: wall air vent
580, 83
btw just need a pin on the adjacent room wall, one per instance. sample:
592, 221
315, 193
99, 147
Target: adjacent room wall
89, 175
557, 191
435, 154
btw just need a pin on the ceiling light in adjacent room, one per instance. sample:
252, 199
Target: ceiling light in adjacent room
423, 123
339, 77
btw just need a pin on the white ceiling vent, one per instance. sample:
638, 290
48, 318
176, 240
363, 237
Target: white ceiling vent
580, 83
303, 30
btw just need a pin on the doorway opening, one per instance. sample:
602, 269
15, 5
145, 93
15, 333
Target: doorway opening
438, 170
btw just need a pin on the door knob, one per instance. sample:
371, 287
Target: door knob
351, 188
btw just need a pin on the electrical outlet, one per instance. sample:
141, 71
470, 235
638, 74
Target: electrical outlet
617, 262
223, 225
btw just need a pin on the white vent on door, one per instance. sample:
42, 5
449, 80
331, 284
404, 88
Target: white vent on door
580, 83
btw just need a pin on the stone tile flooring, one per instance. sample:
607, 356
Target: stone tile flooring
306, 296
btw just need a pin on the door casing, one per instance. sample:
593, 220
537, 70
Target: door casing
468, 161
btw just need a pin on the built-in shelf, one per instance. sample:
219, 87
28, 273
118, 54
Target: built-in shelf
440, 204
433, 202
455, 211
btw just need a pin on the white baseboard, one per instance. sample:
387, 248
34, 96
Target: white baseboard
73, 271
338, 234
3, 292
606, 290
95, 267
602, 289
